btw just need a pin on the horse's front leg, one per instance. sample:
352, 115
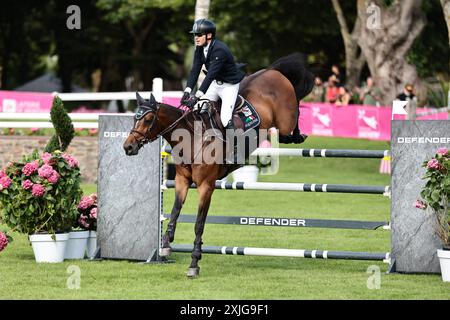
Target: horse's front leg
181, 191
205, 191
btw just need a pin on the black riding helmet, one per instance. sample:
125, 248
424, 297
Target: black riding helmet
204, 26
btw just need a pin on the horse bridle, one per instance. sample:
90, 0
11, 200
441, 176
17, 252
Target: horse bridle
141, 114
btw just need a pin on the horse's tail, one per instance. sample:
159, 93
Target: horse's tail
293, 68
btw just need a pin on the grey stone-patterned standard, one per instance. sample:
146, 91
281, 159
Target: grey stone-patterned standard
128, 193
414, 241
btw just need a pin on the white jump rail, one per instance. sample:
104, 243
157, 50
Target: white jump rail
90, 120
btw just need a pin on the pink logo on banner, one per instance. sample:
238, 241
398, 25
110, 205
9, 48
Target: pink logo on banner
16, 101
368, 123
322, 120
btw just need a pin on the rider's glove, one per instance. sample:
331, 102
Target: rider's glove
184, 98
191, 101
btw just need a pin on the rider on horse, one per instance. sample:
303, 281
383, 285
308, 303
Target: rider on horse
223, 76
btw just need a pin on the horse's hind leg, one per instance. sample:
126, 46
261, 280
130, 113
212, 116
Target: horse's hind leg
205, 191
181, 190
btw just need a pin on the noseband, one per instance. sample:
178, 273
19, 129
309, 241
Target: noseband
143, 110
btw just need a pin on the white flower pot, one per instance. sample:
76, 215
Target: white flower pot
444, 260
76, 246
91, 244
246, 174
48, 250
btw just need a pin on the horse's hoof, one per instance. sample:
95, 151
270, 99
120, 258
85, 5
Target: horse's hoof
193, 272
165, 252
300, 138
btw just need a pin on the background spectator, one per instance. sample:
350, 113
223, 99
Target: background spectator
332, 91
344, 97
337, 74
370, 94
318, 92
408, 93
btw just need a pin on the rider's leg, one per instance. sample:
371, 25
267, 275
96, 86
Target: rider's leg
228, 94
211, 94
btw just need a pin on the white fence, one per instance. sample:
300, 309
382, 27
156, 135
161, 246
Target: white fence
82, 120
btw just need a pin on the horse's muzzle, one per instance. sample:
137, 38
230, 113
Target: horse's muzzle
131, 149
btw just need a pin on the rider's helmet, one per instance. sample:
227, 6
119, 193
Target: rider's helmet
204, 26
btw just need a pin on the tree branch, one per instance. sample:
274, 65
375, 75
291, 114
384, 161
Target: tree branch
341, 19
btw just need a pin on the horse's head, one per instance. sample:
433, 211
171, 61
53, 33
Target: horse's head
145, 121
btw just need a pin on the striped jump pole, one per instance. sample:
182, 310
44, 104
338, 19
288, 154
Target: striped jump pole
285, 222
274, 252
315, 153
299, 187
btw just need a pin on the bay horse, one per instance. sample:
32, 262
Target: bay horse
274, 92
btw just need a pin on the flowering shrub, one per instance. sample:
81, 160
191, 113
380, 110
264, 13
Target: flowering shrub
87, 209
436, 192
41, 193
4, 240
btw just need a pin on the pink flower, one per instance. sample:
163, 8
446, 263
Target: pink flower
82, 222
2, 174
45, 171
3, 241
54, 177
38, 190
34, 130
70, 160
46, 157
93, 131
27, 184
5, 182
93, 197
420, 204
85, 202
433, 164
93, 213
442, 151
30, 168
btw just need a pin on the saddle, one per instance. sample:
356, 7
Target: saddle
245, 118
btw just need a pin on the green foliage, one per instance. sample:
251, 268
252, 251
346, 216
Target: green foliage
40, 194
64, 131
436, 192
439, 97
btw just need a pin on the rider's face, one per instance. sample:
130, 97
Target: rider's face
200, 39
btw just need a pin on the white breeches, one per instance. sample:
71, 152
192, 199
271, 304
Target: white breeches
228, 93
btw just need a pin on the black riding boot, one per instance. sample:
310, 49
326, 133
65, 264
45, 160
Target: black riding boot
231, 151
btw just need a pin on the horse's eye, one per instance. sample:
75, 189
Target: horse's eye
147, 122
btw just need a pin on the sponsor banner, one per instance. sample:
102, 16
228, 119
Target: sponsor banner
353, 121
17, 101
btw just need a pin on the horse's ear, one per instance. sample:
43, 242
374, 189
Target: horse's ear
139, 99
152, 100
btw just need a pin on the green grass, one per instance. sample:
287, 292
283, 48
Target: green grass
245, 277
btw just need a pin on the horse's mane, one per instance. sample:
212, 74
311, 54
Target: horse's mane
293, 67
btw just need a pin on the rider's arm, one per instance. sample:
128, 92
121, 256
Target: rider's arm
195, 71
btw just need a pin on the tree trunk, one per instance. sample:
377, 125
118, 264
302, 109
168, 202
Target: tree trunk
354, 58
385, 46
138, 42
201, 11
446, 10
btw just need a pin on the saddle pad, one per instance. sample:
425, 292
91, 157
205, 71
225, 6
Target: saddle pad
248, 115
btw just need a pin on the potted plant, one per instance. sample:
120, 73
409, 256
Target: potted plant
435, 198
39, 197
87, 220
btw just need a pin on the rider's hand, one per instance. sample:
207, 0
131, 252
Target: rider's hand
184, 98
191, 101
